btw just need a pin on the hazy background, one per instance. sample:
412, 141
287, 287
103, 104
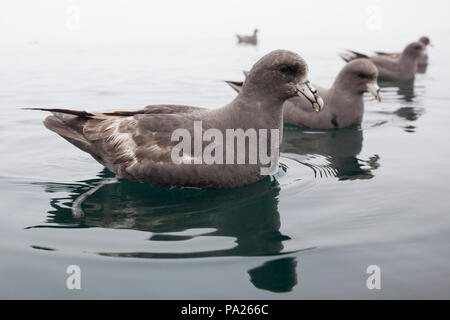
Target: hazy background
189, 45
371, 195
101, 21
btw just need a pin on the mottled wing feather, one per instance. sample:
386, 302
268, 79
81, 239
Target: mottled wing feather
388, 54
111, 140
387, 66
122, 139
139, 140
170, 109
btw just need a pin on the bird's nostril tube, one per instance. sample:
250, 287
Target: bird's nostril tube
311, 88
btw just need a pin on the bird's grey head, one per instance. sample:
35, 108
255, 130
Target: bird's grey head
425, 41
359, 76
255, 31
414, 49
280, 75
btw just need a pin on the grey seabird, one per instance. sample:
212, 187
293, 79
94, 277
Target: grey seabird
344, 100
423, 59
248, 39
137, 145
404, 67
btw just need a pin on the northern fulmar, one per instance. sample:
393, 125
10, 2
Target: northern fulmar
423, 59
253, 39
404, 67
344, 100
138, 145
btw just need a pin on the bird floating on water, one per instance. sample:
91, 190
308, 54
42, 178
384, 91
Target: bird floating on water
137, 145
404, 67
422, 61
344, 100
253, 39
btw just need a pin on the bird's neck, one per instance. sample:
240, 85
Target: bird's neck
258, 112
408, 62
343, 88
345, 99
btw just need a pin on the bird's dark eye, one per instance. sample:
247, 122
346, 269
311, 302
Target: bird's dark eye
362, 75
284, 68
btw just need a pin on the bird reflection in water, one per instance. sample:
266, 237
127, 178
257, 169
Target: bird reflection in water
249, 215
422, 68
278, 275
405, 88
406, 92
340, 148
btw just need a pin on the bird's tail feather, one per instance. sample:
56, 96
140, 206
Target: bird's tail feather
358, 54
352, 55
346, 57
79, 113
237, 86
68, 124
66, 131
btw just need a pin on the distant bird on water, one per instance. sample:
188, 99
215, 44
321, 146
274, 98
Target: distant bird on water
137, 145
404, 67
422, 61
253, 39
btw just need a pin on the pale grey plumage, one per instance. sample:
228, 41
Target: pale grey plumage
344, 100
253, 39
344, 105
136, 145
404, 67
422, 61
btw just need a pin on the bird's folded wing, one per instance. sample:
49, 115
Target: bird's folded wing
135, 138
121, 138
385, 62
389, 54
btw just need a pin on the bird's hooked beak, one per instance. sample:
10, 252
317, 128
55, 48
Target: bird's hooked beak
374, 89
310, 93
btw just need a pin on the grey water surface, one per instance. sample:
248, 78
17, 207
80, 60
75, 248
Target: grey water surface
376, 194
